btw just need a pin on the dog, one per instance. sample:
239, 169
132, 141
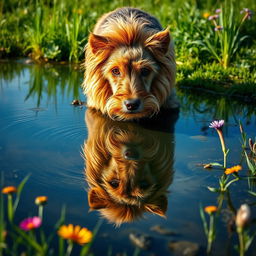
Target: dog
129, 65
128, 167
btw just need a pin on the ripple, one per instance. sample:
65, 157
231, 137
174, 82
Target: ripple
57, 133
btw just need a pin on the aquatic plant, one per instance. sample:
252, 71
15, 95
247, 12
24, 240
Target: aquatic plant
217, 125
41, 201
243, 218
209, 229
29, 234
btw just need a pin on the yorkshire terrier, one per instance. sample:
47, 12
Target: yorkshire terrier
129, 65
128, 167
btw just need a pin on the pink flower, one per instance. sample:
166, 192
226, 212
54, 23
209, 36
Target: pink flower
248, 13
213, 17
217, 124
218, 10
31, 223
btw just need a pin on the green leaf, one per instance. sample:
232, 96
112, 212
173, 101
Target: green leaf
28, 239
213, 189
19, 190
250, 165
252, 193
204, 220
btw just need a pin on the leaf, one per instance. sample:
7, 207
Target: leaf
204, 220
252, 193
216, 164
19, 190
213, 189
250, 165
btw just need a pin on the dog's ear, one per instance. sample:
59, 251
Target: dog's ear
159, 42
96, 199
98, 43
158, 206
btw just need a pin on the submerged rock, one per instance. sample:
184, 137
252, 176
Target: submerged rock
140, 240
77, 103
184, 248
162, 230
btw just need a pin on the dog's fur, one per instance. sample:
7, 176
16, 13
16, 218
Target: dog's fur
129, 56
128, 168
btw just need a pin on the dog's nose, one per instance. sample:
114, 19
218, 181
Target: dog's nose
132, 104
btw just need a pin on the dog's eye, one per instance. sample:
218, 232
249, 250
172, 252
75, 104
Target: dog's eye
114, 183
145, 71
116, 71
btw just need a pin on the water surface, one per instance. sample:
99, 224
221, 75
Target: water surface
42, 134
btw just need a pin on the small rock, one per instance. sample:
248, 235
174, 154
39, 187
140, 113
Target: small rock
141, 241
162, 230
184, 248
77, 103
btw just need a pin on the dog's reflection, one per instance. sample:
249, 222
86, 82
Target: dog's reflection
128, 167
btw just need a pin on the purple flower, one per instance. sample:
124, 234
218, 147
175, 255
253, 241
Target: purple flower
217, 124
213, 17
218, 10
31, 223
248, 13
217, 28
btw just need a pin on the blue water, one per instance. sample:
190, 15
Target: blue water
42, 134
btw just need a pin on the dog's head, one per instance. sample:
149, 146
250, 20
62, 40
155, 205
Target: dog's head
128, 169
130, 70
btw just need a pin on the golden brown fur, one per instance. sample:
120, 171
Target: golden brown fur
128, 168
133, 45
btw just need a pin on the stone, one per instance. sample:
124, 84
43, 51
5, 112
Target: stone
184, 248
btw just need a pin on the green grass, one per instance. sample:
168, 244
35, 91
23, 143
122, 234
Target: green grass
58, 30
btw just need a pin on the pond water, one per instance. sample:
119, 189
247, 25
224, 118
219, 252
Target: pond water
44, 135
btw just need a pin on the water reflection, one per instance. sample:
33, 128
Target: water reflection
44, 81
129, 166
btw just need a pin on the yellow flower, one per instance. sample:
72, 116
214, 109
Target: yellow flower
41, 200
206, 15
9, 190
210, 209
233, 169
75, 233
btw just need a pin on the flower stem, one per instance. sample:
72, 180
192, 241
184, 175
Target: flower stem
70, 247
223, 146
40, 211
210, 234
241, 241
10, 208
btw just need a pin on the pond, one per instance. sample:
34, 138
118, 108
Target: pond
44, 135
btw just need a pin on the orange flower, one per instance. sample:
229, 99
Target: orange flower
41, 200
9, 190
210, 209
206, 15
75, 233
233, 169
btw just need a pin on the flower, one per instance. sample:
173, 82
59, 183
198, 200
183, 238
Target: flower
75, 233
213, 17
218, 10
233, 169
243, 216
217, 124
31, 223
217, 28
41, 200
210, 209
9, 190
206, 15
248, 13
